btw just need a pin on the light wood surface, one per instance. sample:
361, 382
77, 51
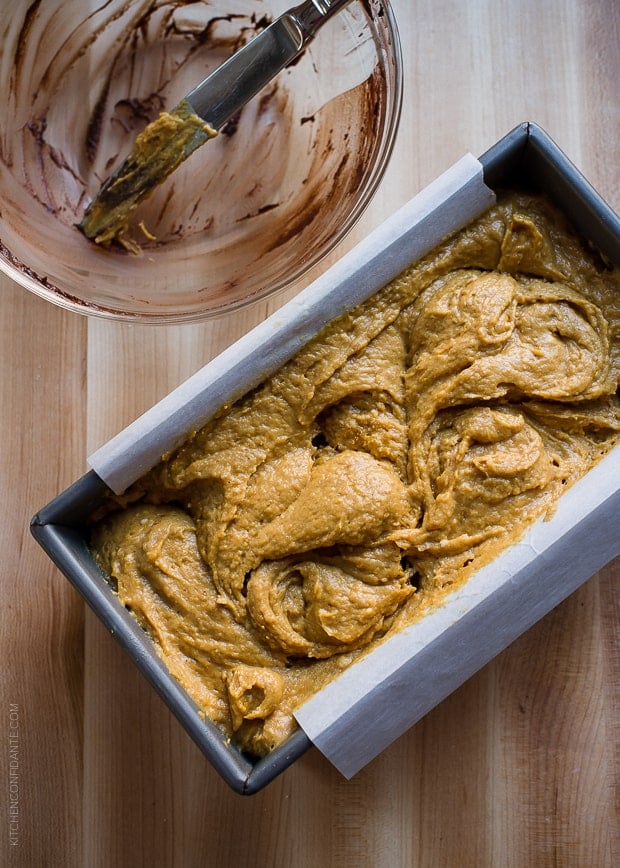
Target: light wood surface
518, 767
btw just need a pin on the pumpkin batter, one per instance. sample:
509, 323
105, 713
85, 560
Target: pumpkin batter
400, 450
159, 149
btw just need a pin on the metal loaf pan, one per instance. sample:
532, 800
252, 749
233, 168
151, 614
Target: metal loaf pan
525, 158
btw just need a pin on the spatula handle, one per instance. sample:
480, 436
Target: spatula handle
313, 13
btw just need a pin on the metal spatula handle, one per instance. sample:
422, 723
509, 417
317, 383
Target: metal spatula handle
223, 93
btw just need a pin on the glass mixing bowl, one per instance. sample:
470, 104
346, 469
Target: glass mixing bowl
246, 214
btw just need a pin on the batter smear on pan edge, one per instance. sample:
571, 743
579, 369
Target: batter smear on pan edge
401, 449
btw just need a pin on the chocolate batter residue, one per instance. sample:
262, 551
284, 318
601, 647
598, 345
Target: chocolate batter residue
82, 84
404, 447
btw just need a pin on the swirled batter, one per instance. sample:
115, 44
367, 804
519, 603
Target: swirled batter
397, 452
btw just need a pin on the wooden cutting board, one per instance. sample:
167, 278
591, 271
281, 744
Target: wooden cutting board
517, 768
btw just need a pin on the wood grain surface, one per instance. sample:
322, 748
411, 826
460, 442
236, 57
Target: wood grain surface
517, 768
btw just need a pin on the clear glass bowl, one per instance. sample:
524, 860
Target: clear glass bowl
246, 214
